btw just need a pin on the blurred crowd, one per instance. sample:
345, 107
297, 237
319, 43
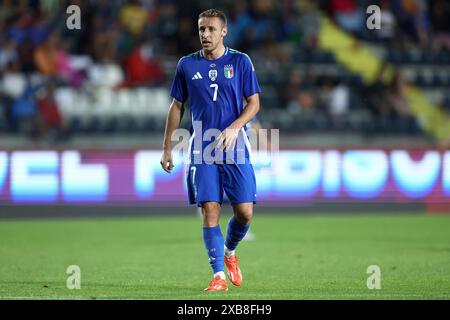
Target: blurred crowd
403, 22
126, 44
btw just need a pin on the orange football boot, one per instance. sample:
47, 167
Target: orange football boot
234, 273
217, 284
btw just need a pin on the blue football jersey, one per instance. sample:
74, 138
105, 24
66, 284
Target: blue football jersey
216, 90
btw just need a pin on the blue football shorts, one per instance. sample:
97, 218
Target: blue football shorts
207, 182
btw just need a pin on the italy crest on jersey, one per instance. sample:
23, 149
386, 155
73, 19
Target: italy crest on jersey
228, 71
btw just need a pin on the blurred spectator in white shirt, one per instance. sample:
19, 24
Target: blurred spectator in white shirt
388, 22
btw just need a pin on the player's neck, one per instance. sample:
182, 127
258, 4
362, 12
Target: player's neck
214, 54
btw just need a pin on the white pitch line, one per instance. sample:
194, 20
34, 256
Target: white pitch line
227, 295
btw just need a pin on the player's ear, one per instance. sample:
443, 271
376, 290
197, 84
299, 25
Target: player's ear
224, 31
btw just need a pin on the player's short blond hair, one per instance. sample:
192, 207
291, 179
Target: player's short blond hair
214, 13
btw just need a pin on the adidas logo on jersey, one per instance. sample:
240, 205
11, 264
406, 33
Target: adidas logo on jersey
197, 76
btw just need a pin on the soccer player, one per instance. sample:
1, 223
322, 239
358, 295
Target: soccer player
218, 81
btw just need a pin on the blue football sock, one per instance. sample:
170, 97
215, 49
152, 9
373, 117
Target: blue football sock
213, 239
235, 233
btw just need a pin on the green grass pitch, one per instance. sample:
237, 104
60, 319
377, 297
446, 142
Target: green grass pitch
292, 257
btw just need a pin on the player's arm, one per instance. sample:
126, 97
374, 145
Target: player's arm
227, 138
249, 112
172, 123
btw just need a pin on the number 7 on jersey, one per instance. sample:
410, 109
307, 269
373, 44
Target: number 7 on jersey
216, 87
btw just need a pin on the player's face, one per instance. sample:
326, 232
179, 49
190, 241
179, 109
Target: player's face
211, 32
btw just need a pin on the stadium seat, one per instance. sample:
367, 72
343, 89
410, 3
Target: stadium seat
420, 80
356, 101
125, 124
149, 124
104, 125
139, 125
444, 79
442, 57
94, 125
446, 103
75, 124
413, 126
3, 122
112, 125
394, 57
300, 57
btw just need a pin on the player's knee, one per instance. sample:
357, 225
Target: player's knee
211, 213
211, 207
244, 216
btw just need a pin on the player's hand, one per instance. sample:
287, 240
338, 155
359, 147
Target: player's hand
227, 139
167, 161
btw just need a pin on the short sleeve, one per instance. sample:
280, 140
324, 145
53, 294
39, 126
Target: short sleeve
251, 85
179, 88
